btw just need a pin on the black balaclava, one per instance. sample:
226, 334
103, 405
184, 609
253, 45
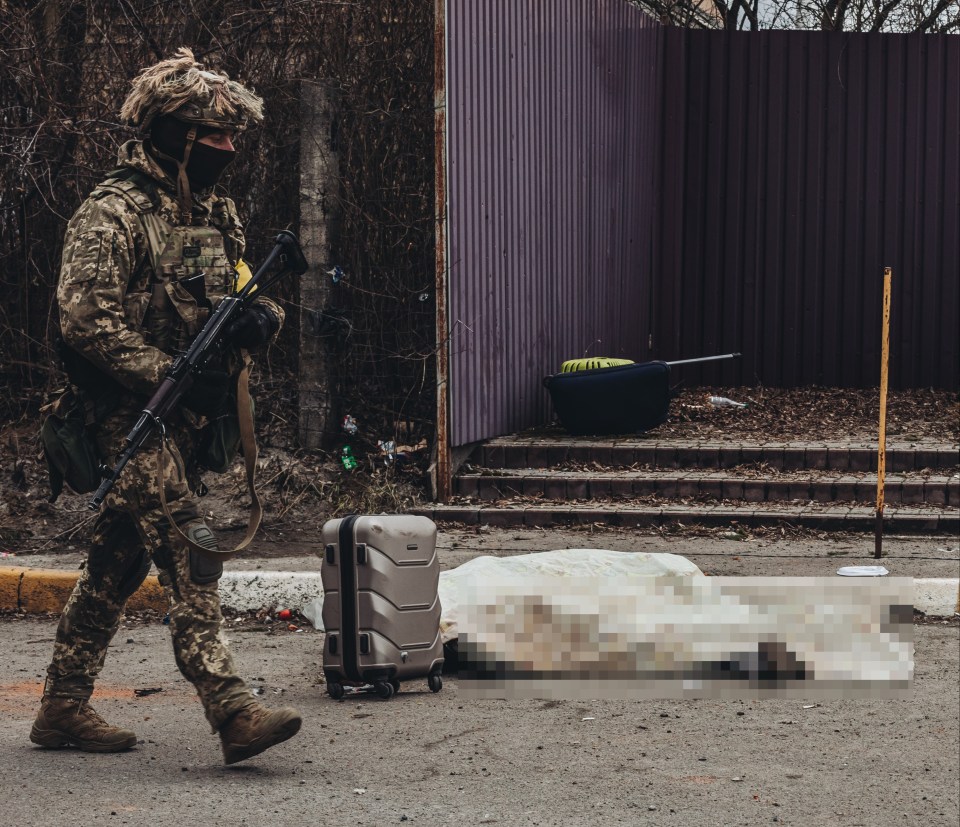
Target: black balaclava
170, 140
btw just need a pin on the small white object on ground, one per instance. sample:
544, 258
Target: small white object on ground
862, 571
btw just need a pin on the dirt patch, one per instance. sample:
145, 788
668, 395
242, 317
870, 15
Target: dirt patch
805, 415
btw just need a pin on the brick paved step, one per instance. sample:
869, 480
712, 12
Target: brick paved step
730, 484
900, 520
546, 452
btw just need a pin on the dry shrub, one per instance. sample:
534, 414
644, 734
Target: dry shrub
65, 66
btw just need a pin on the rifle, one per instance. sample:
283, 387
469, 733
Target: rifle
207, 344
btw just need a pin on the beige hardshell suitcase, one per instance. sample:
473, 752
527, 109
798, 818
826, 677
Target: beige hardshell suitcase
381, 611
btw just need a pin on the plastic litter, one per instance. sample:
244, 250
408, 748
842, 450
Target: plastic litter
313, 612
349, 425
389, 450
8, 554
335, 273
723, 402
862, 571
347, 459
284, 614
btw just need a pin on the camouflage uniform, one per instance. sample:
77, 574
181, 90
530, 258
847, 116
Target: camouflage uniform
125, 308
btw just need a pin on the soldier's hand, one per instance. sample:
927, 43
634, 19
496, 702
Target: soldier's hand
208, 393
253, 328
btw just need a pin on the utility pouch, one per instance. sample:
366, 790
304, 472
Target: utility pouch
69, 447
104, 391
222, 439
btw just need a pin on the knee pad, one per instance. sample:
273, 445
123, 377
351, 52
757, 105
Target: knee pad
203, 570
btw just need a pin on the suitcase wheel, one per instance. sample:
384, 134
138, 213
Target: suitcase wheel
384, 690
435, 682
335, 690
395, 684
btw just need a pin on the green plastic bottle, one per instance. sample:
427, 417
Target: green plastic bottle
347, 459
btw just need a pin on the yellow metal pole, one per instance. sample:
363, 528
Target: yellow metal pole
882, 449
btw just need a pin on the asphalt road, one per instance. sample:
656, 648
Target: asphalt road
439, 759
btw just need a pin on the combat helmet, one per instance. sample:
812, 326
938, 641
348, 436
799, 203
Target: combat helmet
183, 89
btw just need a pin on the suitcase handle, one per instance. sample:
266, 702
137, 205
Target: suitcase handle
361, 554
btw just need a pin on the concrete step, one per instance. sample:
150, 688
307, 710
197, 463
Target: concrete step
738, 484
897, 520
547, 452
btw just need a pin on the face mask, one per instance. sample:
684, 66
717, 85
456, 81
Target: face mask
168, 137
206, 164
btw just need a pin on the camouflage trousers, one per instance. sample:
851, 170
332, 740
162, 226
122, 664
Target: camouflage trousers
131, 531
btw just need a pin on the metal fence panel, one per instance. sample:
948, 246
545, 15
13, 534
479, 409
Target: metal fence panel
550, 148
618, 188
795, 167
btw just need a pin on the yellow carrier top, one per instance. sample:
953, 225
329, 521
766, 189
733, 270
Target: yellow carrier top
572, 365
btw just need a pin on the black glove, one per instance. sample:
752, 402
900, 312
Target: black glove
208, 393
253, 328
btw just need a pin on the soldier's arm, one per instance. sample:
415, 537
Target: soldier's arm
99, 257
236, 244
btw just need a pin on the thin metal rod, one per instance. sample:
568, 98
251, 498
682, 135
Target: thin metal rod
882, 444
705, 359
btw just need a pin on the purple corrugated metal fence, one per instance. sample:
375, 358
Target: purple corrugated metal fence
795, 166
613, 183
550, 157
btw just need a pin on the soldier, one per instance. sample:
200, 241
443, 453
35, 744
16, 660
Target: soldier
145, 258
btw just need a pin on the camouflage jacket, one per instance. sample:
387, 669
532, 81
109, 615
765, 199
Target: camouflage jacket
109, 281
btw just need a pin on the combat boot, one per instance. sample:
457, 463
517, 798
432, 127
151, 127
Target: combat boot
256, 728
72, 722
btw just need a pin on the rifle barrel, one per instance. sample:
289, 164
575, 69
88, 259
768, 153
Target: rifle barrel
179, 375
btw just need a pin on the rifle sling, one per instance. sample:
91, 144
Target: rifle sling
249, 443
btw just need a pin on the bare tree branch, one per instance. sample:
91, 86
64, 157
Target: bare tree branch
927, 22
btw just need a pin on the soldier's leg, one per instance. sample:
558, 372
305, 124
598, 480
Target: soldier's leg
115, 568
117, 564
192, 583
246, 728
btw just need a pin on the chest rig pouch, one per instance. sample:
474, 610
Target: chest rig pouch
191, 274
191, 268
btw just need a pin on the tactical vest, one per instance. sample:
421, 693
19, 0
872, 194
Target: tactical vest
190, 269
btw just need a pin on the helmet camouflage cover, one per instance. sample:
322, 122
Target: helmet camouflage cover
181, 87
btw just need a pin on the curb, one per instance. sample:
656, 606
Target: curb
38, 591
937, 596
